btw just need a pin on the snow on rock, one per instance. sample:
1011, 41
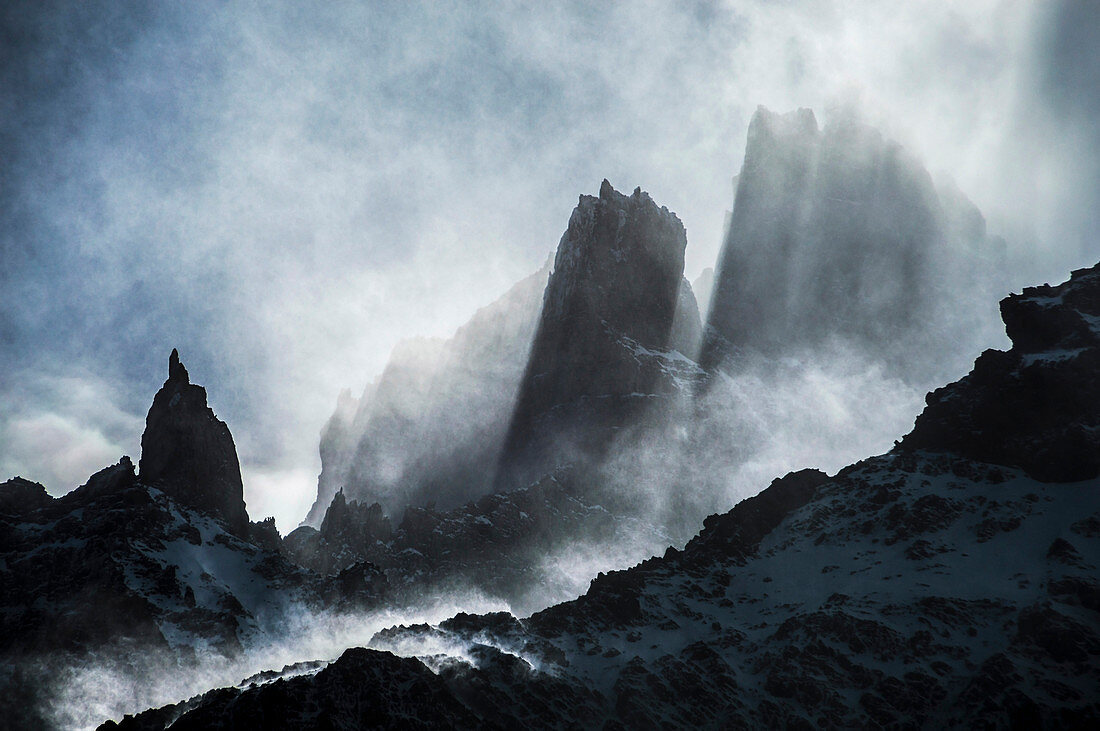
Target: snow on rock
924, 588
189, 453
1033, 406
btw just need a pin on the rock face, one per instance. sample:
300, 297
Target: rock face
605, 341
703, 286
430, 429
188, 452
498, 545
841, 234
938, 585
350, 533
116, 561
18, 495
145, 571
539, 378
1034, 406
618, 327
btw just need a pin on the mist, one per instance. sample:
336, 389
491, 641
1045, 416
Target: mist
284, 194
125, 680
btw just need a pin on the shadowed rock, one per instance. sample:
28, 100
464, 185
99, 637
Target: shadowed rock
1037, 405
840, 233
606, 327
430, 428
18, 496
188, 452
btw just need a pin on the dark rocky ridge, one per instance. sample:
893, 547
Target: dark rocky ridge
917, 589
364, 689
18, 495
350, 533
1035, 405
605, 334
497, 545
149, 571
188, 452
840, 233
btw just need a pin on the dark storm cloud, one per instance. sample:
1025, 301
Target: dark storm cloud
284, 191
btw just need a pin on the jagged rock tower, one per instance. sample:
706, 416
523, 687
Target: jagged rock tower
602, 352
188, 452
841, 233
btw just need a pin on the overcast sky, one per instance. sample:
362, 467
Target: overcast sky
283, 192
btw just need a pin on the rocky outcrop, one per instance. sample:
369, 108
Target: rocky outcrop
188, 452
1037, 405
350, 533
18, 495
604, 346
840, 234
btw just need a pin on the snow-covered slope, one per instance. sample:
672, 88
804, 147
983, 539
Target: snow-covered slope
119, 561
164, 567
933, 586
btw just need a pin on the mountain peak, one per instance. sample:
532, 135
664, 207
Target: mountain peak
838, 234
801, 121
19, 495
610, 303
189, 453
176, 372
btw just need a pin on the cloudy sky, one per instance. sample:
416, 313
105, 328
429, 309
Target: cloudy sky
284, 192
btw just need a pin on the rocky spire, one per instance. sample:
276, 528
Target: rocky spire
176, 371
351, 522
189, 453
838, 232
608, 310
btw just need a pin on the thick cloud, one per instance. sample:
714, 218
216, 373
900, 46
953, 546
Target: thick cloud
283, 192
